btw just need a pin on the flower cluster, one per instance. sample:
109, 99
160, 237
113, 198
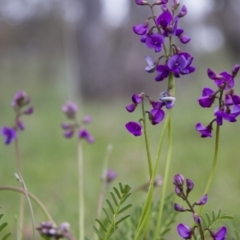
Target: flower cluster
20, 104
70, 109
165, 26
46, 229
183, 191
228, 103
155, 114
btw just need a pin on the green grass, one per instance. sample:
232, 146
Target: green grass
49, 160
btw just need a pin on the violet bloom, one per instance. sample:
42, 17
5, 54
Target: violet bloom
141, 29
184, 231
134, 128
183, 11
220, 234
131, 107
20, 99
221, 79
151, 65
86, 135
202, 201
110, 175
70, 109
156, 116
207, 98
155, 41
221, 114
181, 64
136, 98
10, 134
164, 19
163, 72
204, 131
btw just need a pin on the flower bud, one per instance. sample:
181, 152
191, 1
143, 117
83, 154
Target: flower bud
184, 231
160, 2
110, 175
196, 218
178, 191
28, 111
183, 11
202, 201
178, 180
131, 107
20, 99
235, 70
190, 185
141, 2
179, 208
87, 119
70, 109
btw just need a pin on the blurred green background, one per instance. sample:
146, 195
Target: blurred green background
68, 50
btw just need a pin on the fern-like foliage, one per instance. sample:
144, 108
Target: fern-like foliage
128, 229
210, 220
2, 226
115, 208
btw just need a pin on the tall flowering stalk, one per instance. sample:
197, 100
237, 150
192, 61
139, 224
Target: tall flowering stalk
70, 128
158, 34
20, 104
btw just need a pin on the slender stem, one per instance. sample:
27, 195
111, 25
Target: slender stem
33, 197
146, 140
166, 173
215, 159
147, 205
80, 191
20, 179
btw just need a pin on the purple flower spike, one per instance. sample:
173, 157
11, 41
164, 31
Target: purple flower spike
134, 128
141, 29
70, 109
207, 98
151, 65
220, 234
9, 134
136, 98
155, 41
183, 11
204, 131
85, 134
184, 231
110, 176
202, 201
178, 180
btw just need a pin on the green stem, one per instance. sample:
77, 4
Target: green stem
165, 181
147, 205
80, 191
20, 179
215, 159
33, 197
146, 140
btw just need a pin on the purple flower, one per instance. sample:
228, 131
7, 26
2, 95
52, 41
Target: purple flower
178, 180
235, 70
184, 231
207, 98
155, 41
221, 79
220, 234
179, 208
20, 99
221, 114
70, 109
204, 131
202, 201
181, 64
134, 128
110, 175
136, 98
163, 72
83, 133
28, 111
183, 11
68, 133
9, 134
131, 107
141, 29
164, 19
156, 116
151, 65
